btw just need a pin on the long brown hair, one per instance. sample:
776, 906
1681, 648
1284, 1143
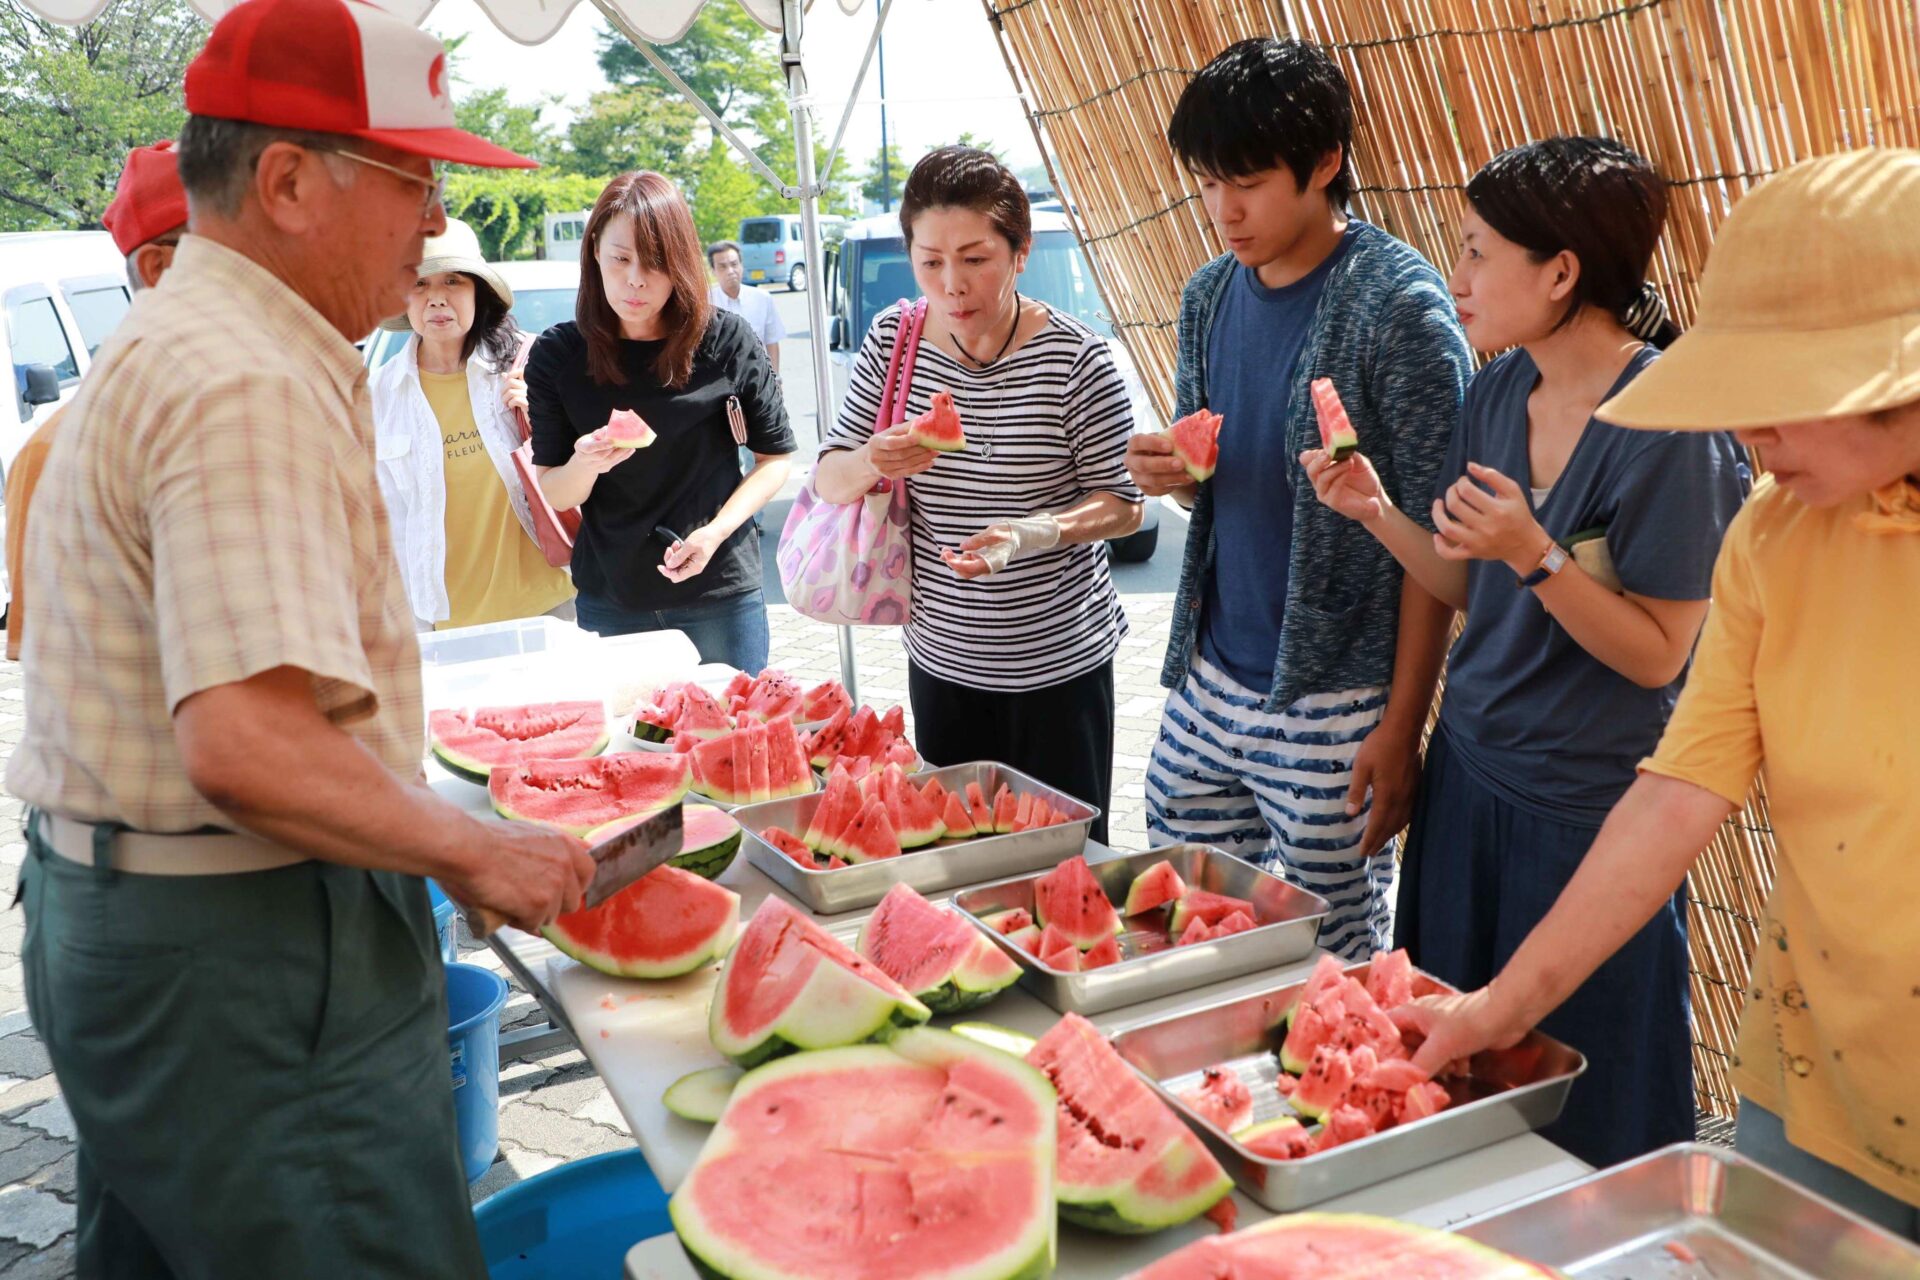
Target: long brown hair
665, 240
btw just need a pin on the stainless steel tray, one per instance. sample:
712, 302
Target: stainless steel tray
940, 866
1506, 1094
1730, 1218
1289, 920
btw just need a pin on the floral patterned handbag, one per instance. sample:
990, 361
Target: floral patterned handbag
852, 564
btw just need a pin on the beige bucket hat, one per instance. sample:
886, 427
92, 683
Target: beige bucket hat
455, 249
1809, 305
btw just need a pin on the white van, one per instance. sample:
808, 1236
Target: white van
561, 236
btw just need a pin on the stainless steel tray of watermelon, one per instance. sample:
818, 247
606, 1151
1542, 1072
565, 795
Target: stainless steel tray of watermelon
1691, 1211
937, 867
1507, 1093
1288, 919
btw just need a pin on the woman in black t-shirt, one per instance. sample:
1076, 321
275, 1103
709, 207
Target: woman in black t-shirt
666, 536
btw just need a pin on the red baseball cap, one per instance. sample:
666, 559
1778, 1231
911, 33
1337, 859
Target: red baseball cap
149, 202
335, 66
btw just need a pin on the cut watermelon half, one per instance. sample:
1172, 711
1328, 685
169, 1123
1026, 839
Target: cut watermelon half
929, 1157
471, 744
1337, 435
576, 796
1126, 1162
1339, 1244
789, 985
626, 429
939, 427
1196, 442
947, 964
1069, 899
666, 923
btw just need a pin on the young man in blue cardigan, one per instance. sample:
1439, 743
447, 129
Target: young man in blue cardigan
1302, 661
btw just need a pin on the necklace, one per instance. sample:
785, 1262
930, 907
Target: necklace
988, 364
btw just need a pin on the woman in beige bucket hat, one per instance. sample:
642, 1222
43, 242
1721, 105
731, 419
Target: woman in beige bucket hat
1807, 345
444, 435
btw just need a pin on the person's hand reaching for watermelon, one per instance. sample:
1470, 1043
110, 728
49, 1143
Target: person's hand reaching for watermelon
1451, 1029
689, 557
1351, 488
895, 456
994, 547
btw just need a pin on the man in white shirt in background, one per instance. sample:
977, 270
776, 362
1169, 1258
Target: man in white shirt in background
745, 301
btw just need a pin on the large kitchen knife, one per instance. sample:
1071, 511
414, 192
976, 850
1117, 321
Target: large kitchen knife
619, 860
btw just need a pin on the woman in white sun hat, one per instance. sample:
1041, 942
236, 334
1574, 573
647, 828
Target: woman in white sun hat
444, 436
1807, 347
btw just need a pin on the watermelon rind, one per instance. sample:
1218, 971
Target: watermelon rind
1342, 1244
709, 838
576, 742
1031, 1234
914, 933
701, 1096
1016, 1043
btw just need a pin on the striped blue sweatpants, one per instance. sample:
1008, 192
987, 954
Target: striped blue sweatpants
1271, 787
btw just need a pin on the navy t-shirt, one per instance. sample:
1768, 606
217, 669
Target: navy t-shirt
1540, 720
1256, 338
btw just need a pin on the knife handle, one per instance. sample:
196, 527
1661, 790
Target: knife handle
483, 923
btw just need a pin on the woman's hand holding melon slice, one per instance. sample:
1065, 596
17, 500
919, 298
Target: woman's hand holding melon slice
895, 456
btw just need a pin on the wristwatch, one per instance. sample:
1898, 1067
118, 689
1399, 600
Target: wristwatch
1552, 561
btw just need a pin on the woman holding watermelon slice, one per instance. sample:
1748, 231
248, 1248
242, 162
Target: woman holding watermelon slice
1806, 347
1015, 619
1569, 664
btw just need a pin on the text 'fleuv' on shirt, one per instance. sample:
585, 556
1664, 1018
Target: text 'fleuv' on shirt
1046, 426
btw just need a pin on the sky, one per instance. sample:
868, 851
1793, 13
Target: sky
944, 70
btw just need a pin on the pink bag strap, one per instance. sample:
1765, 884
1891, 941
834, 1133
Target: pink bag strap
906, 349
520, 363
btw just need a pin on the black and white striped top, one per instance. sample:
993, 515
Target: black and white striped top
1046, 426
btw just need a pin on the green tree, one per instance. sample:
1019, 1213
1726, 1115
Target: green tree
514, 125
725, 191
726, 57
78, 99
882, 184
635, 127
507, 208
968, 139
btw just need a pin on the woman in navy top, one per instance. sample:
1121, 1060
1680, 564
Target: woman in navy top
1582, 555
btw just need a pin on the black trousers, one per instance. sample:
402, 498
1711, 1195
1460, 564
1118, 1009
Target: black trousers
1062, 734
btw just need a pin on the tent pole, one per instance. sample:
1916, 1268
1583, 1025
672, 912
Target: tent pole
792, 17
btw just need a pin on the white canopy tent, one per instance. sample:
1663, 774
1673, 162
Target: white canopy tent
647, 23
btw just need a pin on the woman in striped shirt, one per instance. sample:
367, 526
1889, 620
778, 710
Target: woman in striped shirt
1015, 618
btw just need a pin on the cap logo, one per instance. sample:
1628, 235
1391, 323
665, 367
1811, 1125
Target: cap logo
436, 77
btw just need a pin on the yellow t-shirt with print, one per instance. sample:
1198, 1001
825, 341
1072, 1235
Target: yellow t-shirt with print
1807, 664
494, 570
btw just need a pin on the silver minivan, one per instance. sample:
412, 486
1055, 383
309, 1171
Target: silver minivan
774, 251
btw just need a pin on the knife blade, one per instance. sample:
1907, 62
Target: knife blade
624, 857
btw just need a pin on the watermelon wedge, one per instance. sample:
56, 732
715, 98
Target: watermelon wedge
1069, 899
628, 430
701, 1096
1126, 1163
791, 845
1281, 1139
929, 1157
1196, 442
870, 837
789, 773
790, 985
470, 744
576, 796
1350, 1245
839, 806
947, 964
666, 923
1158, 885
1201, 904
939, 427
1337, 435
1004, 922
823, 701
1103, 953
957, 821
1222, 1098
709, 839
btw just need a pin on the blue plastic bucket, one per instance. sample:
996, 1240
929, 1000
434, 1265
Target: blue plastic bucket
577, 1221
475, 997
444, 927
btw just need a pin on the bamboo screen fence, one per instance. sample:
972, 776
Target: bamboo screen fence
1719, 93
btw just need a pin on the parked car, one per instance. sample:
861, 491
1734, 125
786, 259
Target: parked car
774, 251
869, 272
62, 293
561, 234
543, 296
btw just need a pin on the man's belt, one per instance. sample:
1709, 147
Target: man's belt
141, 853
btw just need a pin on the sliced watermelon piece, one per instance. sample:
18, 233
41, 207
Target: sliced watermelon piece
1051, 939
870, 837
939, 427
709, 839
839, 806
1390, 978
1201, 904
722, 770
1309, 1030
788, 773
762, 762
1004, 922
1337, 435
1126, 1162
980, 811
1346, 1124
1324, 1084
956, 821
934, 792
1006, 806
826, 744
920, 820
1103, 953
701, 1096
1023, 813
791, 845
1071, 900
628, 430
929, 1156
1421, 1101
789, 985
894, 721
1028, 939
1338, 1244
824, 701
1196, 442
1196, 931
1222, 1098
576, 796
1328, 975
1282, 1139
1155, 887
700, 715
947, 964
1238, 922
1065, 958
772, 694
469, 744
666, 923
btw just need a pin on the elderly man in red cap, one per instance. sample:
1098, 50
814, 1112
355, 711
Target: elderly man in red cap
230, 955
146, 219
